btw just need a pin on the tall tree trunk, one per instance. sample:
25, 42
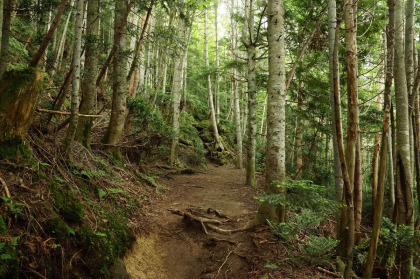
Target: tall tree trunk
217, 85
116, 123
219, 144
334, 77
60, 50
77, 50
404, 193
275, 153
235, 109
252, 95
299, 157
352, 132
6, 25
119, 34
379, 201
2, 2
176, 90
83, 134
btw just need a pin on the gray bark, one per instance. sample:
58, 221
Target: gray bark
176, 90
404, 191
275, 153
334, 72
77, 50
219, 144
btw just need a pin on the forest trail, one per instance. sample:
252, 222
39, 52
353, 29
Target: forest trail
172, 247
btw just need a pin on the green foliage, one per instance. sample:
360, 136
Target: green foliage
302, 194
8, 259
67, 204
307, 221
13, 207
146, 119
314, 248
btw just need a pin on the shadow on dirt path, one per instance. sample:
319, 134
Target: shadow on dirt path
177, 247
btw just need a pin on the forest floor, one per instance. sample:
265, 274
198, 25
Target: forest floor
176, 247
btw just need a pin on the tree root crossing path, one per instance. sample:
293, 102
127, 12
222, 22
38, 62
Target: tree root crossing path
199, 228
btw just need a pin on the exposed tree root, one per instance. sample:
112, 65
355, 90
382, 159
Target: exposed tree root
209, 223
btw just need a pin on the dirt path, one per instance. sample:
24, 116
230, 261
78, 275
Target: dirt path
175, 248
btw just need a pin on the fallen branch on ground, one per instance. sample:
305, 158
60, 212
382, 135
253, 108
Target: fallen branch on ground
330, 273
6, 189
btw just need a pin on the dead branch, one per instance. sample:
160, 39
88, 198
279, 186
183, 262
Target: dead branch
67, 113
6, 189
330, 273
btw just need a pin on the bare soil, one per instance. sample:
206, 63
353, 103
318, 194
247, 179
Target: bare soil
176, 247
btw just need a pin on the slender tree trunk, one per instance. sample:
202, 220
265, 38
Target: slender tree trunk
379, 201
334, 77
116, 123
6, 25
352, 132
217, 86
60, 50
2, 2
375, 167
299, 157
176, 91
219, 144
252, 97
37, 57
83, 134
237, 115
275, 154
77, 50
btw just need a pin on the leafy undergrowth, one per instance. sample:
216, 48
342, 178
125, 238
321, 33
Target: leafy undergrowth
306, 241
68, 218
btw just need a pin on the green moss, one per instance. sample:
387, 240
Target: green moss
19, 93
15, 80
16, 151
58, 227
107, 244
67, 204
3, 227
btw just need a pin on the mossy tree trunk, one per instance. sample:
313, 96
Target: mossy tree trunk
115, 128
87, 106
19, 93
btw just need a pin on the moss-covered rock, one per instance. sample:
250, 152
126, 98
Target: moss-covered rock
118, 270
17, 151
67, 204
58, 227
106, 245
